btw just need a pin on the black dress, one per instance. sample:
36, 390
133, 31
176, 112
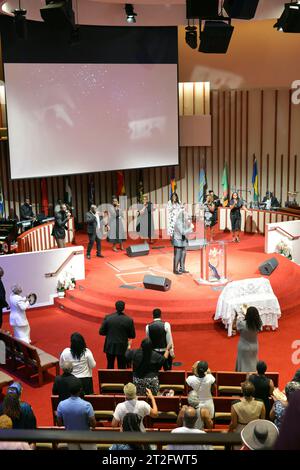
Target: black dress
145, 221
235, 215
262, 390
116, 233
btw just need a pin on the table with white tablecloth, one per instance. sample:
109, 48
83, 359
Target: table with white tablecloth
255, 292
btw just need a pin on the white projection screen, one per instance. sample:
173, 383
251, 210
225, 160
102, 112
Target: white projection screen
72, 118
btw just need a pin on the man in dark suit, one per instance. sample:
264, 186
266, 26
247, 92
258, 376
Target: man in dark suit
94, 230
118, 328
3, 303
62, 383
60, 227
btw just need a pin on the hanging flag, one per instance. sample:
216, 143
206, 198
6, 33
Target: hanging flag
202, 185
140, 187
91, 191
44, 194
120, 183
225, 186
255, 181
173, 184
68, 193
1, 201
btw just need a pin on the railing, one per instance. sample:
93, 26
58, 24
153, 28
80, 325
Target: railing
71, 255
39, 238
285, 233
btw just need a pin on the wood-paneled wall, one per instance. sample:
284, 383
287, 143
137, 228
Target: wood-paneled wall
245, 123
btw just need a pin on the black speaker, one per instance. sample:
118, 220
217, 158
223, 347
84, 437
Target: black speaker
58, 14
202, 9
156, 282
138, 250
196, 244
267, 267
215, 37
242, 9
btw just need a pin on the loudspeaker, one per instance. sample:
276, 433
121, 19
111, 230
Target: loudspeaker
58, 14
138, 250
215, 37
196, 244
267, 267
156, 282
242, 9
202, 9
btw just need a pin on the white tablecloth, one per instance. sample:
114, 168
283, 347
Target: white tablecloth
255, 292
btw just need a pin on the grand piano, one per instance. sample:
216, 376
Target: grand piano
8, 236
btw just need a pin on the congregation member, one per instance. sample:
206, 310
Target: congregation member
260, 434
95, 229
160, 334
6, 423
236, 204
76, 414
248, 326
131, 423
246, 409
115, 228
280, 406
118, 329
133, 405
296, 377
264, 386
289, 433
204, 420
146, 364
3, 303
62, 383
203, 383
82, 360
174, 206
60, 226
26, 212
19, 411
189, 427
18, 318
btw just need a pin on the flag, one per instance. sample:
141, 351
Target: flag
140, 187
91, 191
173, 184
44, 194
202, 184
1, 201
68, 193
225, 186
120, 184
255, 181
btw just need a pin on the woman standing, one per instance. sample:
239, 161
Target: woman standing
116, 232
264, 386
17, 318
235, 205
248, 327
203, 382
174, 206
82, 360
210, 215
60, 226
145, 221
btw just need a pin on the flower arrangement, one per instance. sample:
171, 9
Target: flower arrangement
65, 282
284, 249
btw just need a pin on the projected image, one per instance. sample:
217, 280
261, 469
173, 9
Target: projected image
76, 118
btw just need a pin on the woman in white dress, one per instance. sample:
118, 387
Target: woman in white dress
17, 318
203, 382
174, 206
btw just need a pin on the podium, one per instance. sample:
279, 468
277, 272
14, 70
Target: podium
213, 263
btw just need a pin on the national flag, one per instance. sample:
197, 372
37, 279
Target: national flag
91, 191
225, 186
1, 201
173, 184
68, 193
120, 183
255, 181
44, 195
202, 185
140, 187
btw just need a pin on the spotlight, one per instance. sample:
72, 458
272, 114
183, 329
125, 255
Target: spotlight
129, 9
215, 36
241, 9
20, 22
58, 15
289, 22
191, 36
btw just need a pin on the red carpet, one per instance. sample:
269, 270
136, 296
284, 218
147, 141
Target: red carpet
51, 327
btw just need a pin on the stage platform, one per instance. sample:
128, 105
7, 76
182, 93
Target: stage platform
188, 305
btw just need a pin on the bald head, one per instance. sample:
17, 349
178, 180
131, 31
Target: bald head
190, 417
67, 367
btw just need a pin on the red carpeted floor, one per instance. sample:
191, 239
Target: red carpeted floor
52, 326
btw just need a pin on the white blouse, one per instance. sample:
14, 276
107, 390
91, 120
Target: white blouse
81, 367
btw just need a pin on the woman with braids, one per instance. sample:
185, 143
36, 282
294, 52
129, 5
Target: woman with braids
131, 423
248, 326
145, 364
82, 360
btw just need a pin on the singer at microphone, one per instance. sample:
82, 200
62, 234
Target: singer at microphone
236, 204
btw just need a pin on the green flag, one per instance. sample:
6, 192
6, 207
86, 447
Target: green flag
225, 185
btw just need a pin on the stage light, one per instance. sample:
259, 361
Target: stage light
215, 36
289, 22
204, 9
20, 21
241, 9
191, 36
129, 9
59, 15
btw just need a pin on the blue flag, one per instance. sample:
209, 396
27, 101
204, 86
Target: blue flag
255, 181
1, 201
202, 185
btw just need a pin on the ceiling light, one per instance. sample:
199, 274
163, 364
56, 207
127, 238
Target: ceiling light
191, 36
20, 22
129, 9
